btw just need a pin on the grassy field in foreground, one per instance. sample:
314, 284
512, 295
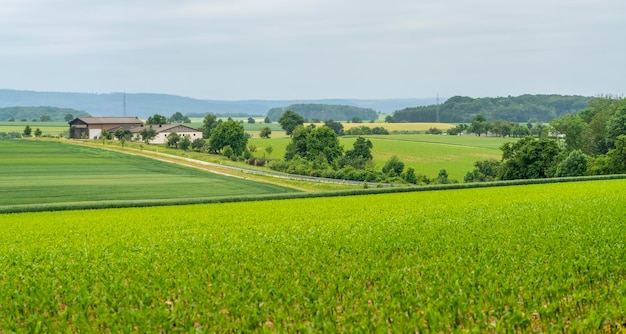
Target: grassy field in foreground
541, 258
427, 154
37, 172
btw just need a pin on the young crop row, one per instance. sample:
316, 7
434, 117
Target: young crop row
521, 258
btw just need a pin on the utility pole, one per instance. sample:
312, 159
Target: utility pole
437, 107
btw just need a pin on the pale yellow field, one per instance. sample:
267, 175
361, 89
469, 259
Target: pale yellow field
401, 126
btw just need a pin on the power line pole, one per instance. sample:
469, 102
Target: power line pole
437, 107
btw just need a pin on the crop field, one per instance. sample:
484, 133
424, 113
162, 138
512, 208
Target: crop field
402, 126
47, 128
427, 154
37, 172
538, 258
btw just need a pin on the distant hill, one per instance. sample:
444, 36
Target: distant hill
324, 112
145, 104
46, 114
522, 108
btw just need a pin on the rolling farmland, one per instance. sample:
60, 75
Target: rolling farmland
427, 154
521, 258
39, 172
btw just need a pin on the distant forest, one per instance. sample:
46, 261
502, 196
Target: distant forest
459, 109
39, 114
325, 112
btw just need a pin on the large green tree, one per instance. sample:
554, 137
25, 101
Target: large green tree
209, 123
289, 121
311, 143
156, 119
336, 126
360, 154
529, 158
574, 165
229, 133
615, 126
573, 128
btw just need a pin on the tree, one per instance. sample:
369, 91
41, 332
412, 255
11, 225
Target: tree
27, 131
310, 143
574, 165
147, 134
409, 176
38, 132
484, 171
442, 177
573, 127
68, 117
529, 158
393, 166
229, 133
269, 149
185, 143
178, 117
616, 126
336, 126
617, 156
289, 121
267, 120
119, 134
356, 119
389, 119
156, 119
479, 125
265, 132
106, 135
173, 139
209, 123
360, 154
251, 120
45, 118
198, 144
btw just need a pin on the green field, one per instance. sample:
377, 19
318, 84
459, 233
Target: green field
38, 172
540, 258
47, 128
427, 154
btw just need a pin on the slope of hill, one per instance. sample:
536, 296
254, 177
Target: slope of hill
324, 112
515, 109
146, 104
49, 114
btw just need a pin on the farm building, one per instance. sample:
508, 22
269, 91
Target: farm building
92, 127
163, 130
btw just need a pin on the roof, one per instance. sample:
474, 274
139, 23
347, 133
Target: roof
166, 128
107, 120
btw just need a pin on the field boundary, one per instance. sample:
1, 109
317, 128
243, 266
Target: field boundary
267, 197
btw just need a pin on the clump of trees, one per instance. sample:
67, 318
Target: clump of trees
591, 142
325, 112
315, 151
461, 109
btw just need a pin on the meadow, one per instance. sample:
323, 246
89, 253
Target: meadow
47, 128
39, 172
427, 154
535, 258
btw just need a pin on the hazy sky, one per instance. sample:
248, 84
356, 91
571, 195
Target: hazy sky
279, 49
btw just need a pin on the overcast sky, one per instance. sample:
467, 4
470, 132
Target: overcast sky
279, 49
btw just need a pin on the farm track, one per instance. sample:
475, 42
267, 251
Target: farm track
233, 171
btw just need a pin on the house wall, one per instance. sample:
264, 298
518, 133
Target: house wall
161, 138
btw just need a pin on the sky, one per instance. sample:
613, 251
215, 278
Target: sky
313, 49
